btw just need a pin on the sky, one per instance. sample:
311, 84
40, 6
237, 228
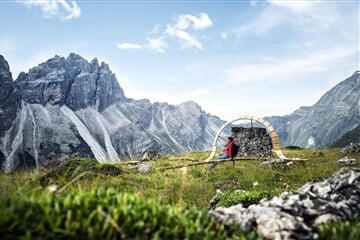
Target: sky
234, 58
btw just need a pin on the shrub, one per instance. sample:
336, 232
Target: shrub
233, 198
291, 147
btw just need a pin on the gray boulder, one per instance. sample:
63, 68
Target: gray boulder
144, 168
346, 161
352, 148
297, 215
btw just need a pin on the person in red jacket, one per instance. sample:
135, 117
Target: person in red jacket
227, 152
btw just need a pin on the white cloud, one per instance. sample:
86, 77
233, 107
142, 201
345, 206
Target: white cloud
304, 16
284, 70
157, 44
267, 20
154, 44
129, 46
187, 41
74, 10
298, 6
180, 30
55, 8
183, 22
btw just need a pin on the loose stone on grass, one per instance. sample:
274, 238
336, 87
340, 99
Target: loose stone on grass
346, 161
297, 215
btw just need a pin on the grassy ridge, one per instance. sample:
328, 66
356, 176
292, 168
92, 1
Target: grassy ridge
102, 197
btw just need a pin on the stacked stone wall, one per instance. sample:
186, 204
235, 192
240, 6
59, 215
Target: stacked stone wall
252, 142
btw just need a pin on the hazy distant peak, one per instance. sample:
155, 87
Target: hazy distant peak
190, 104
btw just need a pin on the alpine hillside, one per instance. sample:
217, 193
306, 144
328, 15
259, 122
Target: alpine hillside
336, 113
69, 107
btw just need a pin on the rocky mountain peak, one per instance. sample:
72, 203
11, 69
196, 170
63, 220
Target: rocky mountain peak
73, 82
105, 66
94, 63
70, 107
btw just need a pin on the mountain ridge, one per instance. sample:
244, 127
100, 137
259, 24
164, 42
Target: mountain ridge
334, 114
70, 107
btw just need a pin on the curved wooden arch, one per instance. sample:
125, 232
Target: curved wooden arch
266, 124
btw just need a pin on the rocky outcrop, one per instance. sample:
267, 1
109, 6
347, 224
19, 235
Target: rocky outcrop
151, 155
73, 82
10, 100
352, 148
11, 120
346, 161
143, 168
297, 215
336, 113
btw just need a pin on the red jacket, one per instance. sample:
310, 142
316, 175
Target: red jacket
228, 149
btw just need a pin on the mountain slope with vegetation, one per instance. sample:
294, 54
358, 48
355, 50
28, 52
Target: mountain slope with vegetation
353, 136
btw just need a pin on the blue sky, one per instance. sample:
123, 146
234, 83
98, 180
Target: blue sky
232, 57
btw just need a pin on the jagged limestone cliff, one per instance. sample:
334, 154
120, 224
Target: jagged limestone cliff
68, 107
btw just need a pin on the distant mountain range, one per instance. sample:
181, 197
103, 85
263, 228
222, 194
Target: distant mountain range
336, 113
68, 107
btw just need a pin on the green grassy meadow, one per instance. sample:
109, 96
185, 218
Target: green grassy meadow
113, 202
